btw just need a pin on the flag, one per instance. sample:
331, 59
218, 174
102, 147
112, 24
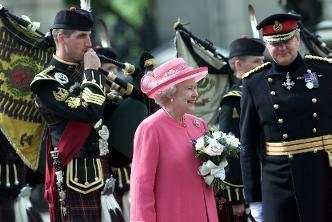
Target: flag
210, 89
23, 54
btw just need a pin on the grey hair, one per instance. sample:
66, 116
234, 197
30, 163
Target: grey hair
164, 97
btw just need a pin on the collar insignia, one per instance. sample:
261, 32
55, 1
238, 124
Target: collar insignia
61, 78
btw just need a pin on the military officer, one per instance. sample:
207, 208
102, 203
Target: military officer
285, 106
71, 99
244, 55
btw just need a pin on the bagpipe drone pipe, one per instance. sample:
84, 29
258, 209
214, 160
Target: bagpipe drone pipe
313, 43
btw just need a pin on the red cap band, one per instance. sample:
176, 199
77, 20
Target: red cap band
279, 27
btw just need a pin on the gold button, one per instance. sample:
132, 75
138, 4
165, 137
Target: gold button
314, 115
314, 100
285, 136
273, 93
290, 156
275, 106
270, 80
314, 130
280, 120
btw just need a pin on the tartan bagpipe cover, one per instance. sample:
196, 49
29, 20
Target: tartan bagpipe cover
23, 54
212, 87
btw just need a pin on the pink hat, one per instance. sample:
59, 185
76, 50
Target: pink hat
169, 74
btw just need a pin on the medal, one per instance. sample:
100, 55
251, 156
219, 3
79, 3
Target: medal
288, 84
311, 79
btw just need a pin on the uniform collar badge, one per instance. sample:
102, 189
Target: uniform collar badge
288, 84
196, 123
311, 79
61, 78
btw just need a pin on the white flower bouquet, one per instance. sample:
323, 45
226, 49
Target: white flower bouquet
212, 149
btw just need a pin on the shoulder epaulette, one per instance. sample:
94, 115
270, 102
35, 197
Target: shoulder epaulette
43, 75
233, 93
245, 75
318, 58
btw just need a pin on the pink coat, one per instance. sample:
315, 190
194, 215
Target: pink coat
165, 185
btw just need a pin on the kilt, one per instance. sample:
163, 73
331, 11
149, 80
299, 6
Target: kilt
330, 198
225, 211
7, 207
84, 207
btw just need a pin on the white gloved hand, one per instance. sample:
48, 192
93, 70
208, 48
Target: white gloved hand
256, 209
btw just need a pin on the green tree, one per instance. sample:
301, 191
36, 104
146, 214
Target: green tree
130, 24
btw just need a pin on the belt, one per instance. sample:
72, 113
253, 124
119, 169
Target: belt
290, 148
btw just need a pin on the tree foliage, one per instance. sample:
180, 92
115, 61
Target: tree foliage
130, 24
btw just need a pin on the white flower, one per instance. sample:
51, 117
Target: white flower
217, 135
199, 143
232, 140
214, 148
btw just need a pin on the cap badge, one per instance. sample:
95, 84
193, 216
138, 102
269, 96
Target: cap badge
288, 84
277, 26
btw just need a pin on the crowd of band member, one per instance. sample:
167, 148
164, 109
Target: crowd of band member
280, 111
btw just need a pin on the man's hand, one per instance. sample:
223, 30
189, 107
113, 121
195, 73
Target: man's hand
91, 60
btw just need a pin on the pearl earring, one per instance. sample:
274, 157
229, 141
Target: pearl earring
172, 99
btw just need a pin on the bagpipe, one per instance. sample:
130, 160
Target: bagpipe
25, 52
314, 43
131, 108
197, 53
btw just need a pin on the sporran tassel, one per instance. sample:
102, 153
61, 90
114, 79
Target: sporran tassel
110, 209
24, 212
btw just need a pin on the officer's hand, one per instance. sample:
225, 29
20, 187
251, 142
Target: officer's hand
91, 60
238, 209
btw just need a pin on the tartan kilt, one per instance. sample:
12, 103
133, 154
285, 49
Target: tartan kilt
85, 207
225, 211
7, 207
330, 197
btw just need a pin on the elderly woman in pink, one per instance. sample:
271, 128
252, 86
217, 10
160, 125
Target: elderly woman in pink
165, 184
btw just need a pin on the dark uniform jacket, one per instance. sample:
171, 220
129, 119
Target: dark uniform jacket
282, 104
229, 119
64, 94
